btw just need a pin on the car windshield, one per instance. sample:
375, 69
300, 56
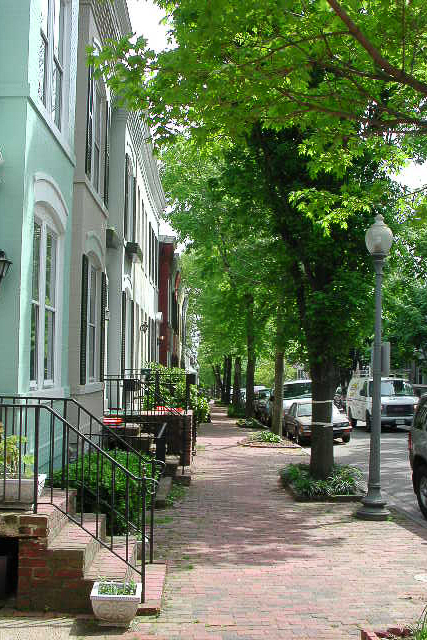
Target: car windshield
304, 410
394, 388
296, 390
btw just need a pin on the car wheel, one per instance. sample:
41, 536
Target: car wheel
299, 440
368, 422
421, 488
352, 421
346, 438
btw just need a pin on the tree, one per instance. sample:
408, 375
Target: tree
341, 70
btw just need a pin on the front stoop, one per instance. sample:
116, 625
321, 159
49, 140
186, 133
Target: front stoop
58, 561
154, 584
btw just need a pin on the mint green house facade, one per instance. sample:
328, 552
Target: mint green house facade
38, 59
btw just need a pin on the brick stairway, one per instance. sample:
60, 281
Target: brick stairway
58, 561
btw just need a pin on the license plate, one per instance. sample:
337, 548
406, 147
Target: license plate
400, 421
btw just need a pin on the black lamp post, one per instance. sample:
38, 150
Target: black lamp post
5, 264
378, 240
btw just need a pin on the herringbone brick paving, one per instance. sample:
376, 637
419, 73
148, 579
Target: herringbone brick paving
247, 563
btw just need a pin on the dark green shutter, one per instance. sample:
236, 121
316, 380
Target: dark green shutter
102, 332
107, 152
134, 210
123, 351
83, 319
126, 211
89, 124
132, 333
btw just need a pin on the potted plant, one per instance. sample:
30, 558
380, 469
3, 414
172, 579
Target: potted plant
17, 488
115, 604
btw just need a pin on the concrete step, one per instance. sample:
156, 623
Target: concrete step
172, 464
76, 545
165, 486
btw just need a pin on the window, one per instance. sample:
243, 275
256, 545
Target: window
43, 306
92, 324
51, 57
98, 119
97, 139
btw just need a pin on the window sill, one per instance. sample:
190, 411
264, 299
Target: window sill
51, 392
90, 387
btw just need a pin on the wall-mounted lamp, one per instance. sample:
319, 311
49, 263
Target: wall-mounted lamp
5, 263
143, 327
160, 339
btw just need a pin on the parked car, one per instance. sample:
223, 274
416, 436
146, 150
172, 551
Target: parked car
298, 422
260, 404
292, 390
417, 445
398, 401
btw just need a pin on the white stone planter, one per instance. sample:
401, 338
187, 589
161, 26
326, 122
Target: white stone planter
9, 492
115, 611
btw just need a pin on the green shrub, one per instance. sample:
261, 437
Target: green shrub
342, 481
267, 436
249, 423
235, 412
91, 470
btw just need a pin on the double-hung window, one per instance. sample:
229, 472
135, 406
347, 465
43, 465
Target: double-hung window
44, 307
92, 324
51, 58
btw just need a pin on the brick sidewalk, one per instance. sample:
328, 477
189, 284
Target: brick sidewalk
245, 562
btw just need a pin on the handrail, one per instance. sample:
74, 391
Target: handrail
99, 455
45, 400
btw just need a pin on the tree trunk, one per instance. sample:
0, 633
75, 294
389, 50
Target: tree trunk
237, 382
324, 376
218, 381
227, 379
277, 413
250, 367
224, 380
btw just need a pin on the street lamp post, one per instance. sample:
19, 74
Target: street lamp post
378, 240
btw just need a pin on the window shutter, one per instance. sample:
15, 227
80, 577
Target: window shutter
134, 209
126, 211
83, 319
107, 152
123, 352
102, 332
89, 124
132, 334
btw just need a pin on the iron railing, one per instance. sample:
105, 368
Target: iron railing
72, 460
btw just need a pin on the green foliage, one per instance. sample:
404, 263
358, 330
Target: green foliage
177, 493
173, 389
267, 436
342, 481
90, 472
249, 423
117, 588
235, 412
12, 456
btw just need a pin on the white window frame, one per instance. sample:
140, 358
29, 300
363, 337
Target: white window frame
93, 323
40, 382
53, 62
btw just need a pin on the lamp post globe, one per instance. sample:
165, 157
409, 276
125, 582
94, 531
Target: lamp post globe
378, 240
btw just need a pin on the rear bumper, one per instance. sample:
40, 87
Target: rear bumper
396, 421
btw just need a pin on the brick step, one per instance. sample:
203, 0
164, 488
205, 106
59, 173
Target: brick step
70, 564
46, 523
77, 546
164, 489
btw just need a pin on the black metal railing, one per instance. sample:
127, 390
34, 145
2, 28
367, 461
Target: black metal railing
137, 399
120, 483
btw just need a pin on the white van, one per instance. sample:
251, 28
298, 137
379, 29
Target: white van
398, 401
